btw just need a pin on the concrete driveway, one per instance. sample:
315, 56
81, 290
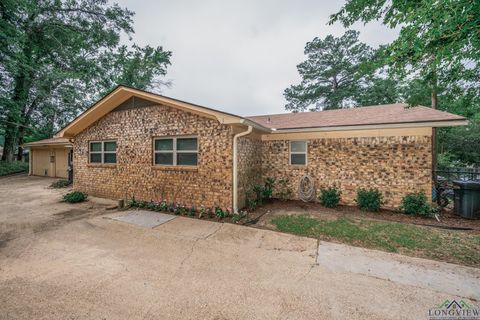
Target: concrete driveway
94, 267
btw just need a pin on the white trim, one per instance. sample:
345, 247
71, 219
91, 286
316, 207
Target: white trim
436, 124
290, 152
102, 152
174, 151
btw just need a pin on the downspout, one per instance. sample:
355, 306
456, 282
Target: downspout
235, 169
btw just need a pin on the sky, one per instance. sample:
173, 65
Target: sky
238, 56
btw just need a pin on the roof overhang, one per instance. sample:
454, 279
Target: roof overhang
42, 145
431, 124
122, 93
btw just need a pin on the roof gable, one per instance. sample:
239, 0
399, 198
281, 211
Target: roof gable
382, 116
122, 96
134, 103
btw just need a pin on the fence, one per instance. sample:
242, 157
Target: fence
450, 174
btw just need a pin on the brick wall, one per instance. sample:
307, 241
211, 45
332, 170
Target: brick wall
249, 166
134, 174
395, 165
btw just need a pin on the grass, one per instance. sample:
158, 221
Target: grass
7, 168
461, 247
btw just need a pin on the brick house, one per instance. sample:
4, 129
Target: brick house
152, 147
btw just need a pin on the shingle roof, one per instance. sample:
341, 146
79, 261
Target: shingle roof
370, 115
50, 141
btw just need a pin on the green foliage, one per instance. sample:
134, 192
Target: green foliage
61, 183
417, 203
284, 192
435, 37
75, 196
336, 74
7, 168
369, 200
60, 56
237, 217
329, 197
268, 188
220, 213
262, 193
180, 209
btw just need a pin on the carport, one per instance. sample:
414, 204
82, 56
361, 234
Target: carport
50, 157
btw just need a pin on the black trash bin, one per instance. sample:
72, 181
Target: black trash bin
467, 199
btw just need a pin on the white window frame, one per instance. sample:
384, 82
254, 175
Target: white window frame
174, 152
290, 152
102, 152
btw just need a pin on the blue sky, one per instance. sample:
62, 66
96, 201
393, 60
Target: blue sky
238, 56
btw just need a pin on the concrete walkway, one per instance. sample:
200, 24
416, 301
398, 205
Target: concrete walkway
443, 277
69, 261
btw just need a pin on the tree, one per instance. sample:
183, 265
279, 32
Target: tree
56, 62
438, 39
378, 89
330, 74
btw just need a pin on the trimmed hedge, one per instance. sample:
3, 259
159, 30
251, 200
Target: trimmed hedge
369, 200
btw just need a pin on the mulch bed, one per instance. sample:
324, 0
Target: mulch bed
447, 218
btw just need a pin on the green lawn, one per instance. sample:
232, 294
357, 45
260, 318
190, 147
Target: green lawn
12, 167
460, 247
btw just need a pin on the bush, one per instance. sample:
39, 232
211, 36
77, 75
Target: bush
284, 192
220, 213
417, 203
60, 183
329, 197
236, 217
74, 197
262, 193
369, 200
7, 168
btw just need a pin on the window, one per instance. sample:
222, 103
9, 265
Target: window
298, 152
175, 151
103, 152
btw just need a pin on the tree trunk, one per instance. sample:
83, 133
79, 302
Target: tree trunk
26, 114
10, 136
22, 85
434, 97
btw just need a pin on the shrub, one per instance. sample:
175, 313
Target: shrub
191, 212
417, 203
74, 197
262, 193
7, 168
202, 212
236, 217
284, 192
220, 213
60, 183
369, 200
268, 188
329, 197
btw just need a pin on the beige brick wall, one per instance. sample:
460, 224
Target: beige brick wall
134, 174
395, 165
249, 166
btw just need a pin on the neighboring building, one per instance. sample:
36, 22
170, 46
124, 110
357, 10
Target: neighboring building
50, 157
138, 144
